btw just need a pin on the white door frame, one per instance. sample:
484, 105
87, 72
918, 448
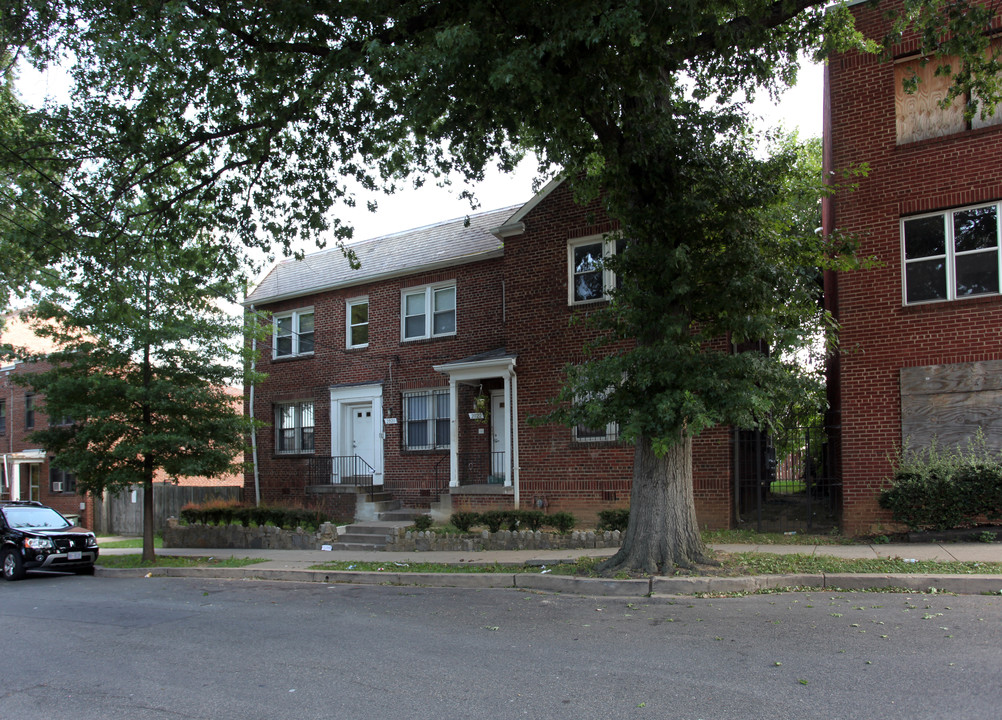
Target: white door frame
342, 399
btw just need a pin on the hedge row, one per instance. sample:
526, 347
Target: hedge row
939, 490
283, 517
513, 520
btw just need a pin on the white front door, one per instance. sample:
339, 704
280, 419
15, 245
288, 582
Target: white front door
361, 441
499, 434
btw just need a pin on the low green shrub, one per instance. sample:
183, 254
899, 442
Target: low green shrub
562, 522
614, 519
944, 489
423, 522
283, 517
463, 521
494, 519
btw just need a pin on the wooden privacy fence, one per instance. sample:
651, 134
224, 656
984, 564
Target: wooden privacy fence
122, 514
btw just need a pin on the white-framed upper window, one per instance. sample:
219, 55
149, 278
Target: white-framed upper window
292, 333
588, 280
426, 419
428, 311
294, 427
951, 255
357, 322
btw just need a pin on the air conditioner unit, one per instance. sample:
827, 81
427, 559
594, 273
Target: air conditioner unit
57, 487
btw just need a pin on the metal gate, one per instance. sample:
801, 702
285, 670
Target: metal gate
787, 480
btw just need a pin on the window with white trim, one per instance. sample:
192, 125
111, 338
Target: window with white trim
428, 311
294, 427
588, 280
292, 333
426, 420
951, 255
357, 322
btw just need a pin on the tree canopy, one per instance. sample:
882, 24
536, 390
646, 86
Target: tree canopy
263, 116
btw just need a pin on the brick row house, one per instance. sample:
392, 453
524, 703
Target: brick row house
420, 373
921, 332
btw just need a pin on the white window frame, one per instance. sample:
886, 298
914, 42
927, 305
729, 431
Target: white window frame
429, 292
950, 255
296, 317
608, 276
433, 395
353, 302
297, 427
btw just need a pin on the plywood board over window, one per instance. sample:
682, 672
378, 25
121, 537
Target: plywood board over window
919, 115
948, 403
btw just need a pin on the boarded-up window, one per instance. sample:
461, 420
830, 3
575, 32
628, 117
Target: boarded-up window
919, 115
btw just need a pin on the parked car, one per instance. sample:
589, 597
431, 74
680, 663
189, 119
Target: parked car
36, 537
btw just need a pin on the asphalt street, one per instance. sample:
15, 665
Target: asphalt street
138, 648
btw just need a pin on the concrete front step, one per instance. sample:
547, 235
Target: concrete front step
373, 533
402, 514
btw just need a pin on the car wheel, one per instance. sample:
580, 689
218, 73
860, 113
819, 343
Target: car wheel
89, 570
13, 567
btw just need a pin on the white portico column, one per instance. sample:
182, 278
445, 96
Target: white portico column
453, 432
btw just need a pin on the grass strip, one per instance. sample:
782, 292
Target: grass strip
137, 542
136, 561
770, 564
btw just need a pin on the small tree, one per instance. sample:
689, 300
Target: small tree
145, 355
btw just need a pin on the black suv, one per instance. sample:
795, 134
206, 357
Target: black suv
36, 537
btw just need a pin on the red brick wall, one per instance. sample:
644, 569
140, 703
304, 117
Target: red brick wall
555, 470
879, 335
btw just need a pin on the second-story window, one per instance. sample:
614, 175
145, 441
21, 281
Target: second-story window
357, 314
292, 333
3, 417
428, 311
29, 411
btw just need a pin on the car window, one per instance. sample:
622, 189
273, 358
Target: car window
35, 518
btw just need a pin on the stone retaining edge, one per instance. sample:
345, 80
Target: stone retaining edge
596, 587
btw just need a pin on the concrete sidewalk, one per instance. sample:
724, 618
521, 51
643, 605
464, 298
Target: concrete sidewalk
294, 565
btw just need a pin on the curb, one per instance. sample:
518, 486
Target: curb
595, 587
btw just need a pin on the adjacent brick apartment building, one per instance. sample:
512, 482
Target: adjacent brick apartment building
27, 471
921, 333
420, 373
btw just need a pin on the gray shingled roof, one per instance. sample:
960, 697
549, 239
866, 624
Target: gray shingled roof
439, 245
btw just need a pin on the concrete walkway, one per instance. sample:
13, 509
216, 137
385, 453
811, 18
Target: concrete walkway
294, 565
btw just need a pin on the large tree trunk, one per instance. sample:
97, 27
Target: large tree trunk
662, 532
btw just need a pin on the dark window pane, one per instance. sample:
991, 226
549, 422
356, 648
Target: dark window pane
926, 280
417, 434
359, 313
584, 432
414, 326
924, 237
445, 322
306, 343
360, 335
442, 433
283, 346
975, 229
588, 286
977, 273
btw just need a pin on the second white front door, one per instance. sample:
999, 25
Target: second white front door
499, 434
360, 436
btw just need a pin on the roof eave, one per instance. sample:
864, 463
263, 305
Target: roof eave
402, 272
